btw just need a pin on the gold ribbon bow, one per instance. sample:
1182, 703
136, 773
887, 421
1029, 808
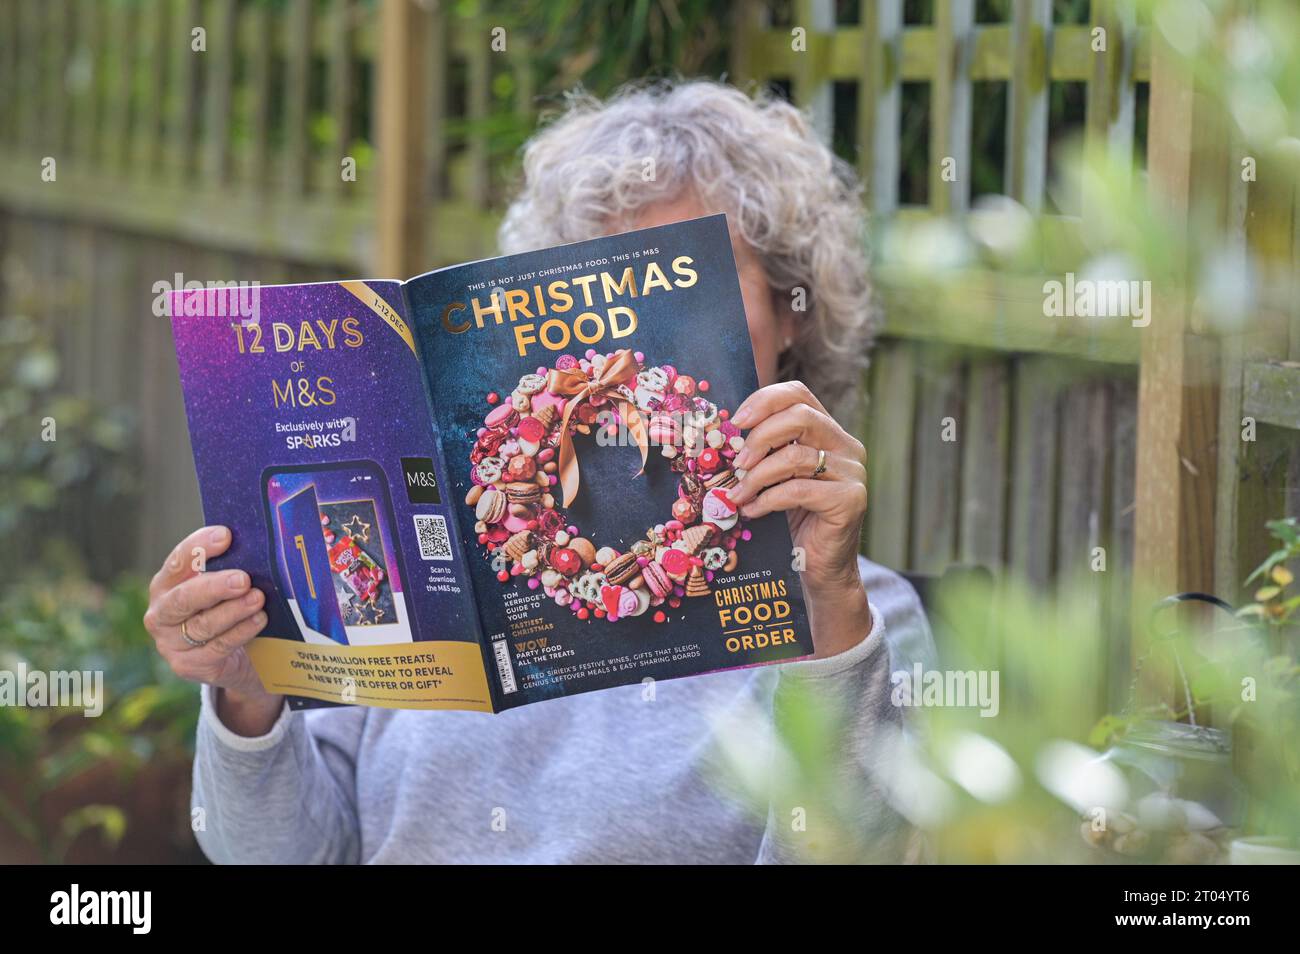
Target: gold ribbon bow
574, 385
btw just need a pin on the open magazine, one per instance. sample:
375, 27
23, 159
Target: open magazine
493, 484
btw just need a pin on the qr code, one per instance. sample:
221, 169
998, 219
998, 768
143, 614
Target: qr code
431, 531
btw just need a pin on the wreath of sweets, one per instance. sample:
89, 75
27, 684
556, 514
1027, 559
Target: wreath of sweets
524, 457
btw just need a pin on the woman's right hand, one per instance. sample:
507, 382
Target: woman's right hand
223, 611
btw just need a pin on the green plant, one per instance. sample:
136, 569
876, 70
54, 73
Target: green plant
1268, 732
1273, 603
59, 452
148, 715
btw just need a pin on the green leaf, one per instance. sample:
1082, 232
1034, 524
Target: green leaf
108, 819
1107, 727
1286, 530
1274, 558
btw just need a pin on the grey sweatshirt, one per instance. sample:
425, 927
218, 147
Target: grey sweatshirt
682, 771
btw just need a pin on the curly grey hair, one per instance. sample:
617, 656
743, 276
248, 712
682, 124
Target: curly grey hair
755, 158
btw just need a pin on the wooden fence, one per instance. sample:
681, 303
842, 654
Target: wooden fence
1072, 435
227, 165
220, 156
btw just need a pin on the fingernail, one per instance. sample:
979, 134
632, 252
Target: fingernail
253, 598
237, 580
740, 417
737, 494
259, 620
218, 535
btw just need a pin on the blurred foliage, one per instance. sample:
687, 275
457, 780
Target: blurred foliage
1208, 746
1017, 787
62, 455
1274, 603
54, 446
1247, 74
600, 46
1050, 776
53, 624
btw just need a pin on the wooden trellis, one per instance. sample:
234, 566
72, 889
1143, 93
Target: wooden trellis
1156, 471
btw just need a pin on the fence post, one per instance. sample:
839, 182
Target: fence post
811, 81
879, 96
402, 213
1027, 102
950, 107
1174, 533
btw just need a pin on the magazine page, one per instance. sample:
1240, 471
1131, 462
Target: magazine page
582, 395
313, 443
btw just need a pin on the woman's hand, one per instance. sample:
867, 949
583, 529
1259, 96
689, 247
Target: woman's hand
222, 611
788, 426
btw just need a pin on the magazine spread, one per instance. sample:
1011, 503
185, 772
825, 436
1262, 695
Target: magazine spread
496, 483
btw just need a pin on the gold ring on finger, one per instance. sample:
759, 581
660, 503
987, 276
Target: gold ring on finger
821, 464
196, 643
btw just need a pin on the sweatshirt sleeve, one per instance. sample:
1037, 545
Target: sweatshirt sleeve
287, 797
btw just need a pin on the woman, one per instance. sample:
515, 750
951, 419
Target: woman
621, 775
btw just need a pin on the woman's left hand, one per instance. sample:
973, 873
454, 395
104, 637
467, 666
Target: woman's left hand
788, 427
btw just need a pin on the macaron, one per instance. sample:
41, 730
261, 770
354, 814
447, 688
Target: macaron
665, 430
657, 580
721, 480
491, 506
503, 415
621, 569
524, 494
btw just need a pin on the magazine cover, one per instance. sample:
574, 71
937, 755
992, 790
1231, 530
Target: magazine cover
582, 396
496, 484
